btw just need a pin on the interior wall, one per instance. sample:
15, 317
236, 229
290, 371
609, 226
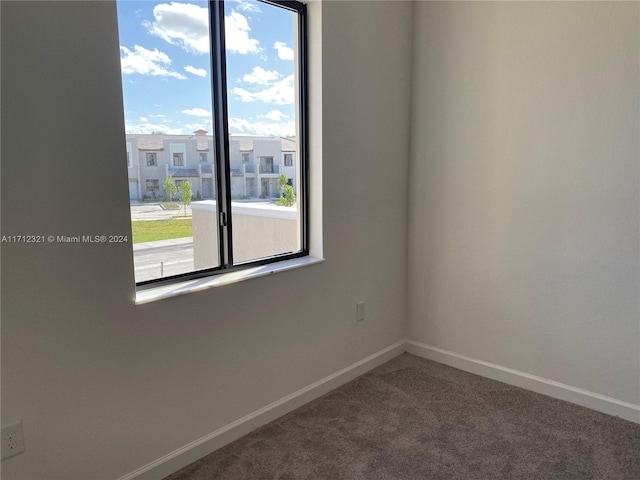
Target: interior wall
524, 188
104, 386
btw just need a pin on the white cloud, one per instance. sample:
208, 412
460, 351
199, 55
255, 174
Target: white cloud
198, 112
280, 93
144, 119
146, 62
181, 24
201, 72
260, 76
147, 127
242, 126
276, 115
237, 34
246, 6
187, 26
284, 52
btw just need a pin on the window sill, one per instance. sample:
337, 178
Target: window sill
189, 286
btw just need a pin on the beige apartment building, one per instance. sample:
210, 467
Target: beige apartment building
255, 163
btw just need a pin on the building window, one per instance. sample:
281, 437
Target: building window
266, 165
178, 159
152, 159
246, 223
153, 186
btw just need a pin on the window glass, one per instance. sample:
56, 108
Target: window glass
166, 79
153, 186
263, 104
178, 159
217, 191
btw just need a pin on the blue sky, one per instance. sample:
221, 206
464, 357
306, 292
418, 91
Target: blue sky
164, 52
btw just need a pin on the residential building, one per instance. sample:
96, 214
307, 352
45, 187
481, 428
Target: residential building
256, 163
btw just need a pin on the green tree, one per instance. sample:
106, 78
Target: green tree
185, 192
170, 188
282, 181
287, 196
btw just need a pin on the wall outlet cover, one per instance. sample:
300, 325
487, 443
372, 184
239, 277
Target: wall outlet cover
12, 440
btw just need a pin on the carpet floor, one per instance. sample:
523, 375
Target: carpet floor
412, 418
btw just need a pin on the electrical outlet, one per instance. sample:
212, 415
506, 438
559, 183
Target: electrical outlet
359, 311
12, 440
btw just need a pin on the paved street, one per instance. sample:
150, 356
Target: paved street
163, 258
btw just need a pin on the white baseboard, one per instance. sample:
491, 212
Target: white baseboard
585, 398
197, 449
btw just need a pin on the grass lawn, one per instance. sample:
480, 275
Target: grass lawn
150, 230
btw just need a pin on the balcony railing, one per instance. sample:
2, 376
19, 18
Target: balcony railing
270, 169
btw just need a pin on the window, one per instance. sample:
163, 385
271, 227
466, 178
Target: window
240, 62
178, 159
128, 159
152, 159
266, 165
153, 185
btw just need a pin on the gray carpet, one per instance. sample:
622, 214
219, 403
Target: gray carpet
416, 419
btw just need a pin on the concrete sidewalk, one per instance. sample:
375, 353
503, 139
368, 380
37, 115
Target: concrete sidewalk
153, 211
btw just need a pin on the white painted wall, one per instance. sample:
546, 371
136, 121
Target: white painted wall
523, 208
104, 386
524, 189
